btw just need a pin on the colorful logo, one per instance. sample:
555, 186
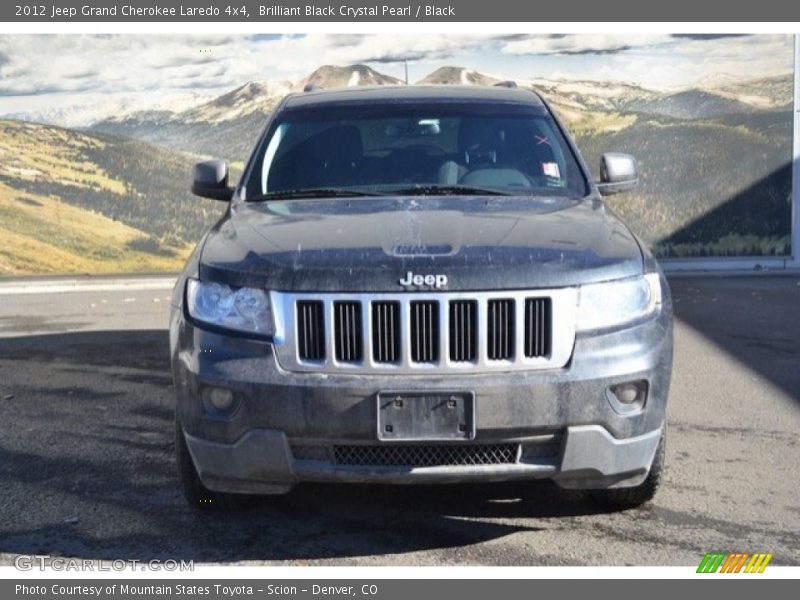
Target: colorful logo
736, 562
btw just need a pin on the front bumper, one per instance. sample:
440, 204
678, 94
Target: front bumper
255, 448
262, 462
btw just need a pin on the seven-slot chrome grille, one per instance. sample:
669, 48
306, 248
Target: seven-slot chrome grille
420, 332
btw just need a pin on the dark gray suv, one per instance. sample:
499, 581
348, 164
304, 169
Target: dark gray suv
419, 285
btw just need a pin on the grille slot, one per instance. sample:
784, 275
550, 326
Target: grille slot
386, 332
500, 329
347, 331
424, 331
310, 330
428, 455
463, 330
537, 327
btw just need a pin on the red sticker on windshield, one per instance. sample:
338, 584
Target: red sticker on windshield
551, 170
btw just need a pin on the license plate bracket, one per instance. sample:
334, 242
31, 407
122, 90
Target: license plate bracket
424, 416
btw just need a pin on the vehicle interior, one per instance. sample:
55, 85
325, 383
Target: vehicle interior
513, 152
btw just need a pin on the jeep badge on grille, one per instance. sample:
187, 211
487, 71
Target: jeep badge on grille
437, 281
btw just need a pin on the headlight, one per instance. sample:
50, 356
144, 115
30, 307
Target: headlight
603, 305
241, 309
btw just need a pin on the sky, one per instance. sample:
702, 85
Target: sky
73, 80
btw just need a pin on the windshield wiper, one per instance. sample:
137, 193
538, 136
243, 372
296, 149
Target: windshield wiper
446, 190
312, 193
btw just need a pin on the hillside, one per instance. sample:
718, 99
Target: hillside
689, 104
77, 202
41, 234
715, 163
761, 92
712, 187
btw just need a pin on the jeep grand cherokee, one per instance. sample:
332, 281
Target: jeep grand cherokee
419, 285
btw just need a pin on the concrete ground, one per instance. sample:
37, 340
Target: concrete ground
86, 453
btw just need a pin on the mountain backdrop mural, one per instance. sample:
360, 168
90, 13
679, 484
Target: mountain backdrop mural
109, 193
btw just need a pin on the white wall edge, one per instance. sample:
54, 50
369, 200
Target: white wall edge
755, 264
22, 287
794, 262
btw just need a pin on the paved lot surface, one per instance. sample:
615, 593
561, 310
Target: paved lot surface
86, 457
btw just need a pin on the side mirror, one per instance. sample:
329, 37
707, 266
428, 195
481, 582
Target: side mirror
210, 180
618, 173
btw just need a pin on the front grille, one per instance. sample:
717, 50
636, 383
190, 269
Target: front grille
425, 331
542, 448
501, 335
347, 331
386, 332
537, 327
416, 332
428, 455
463, 330
310, 330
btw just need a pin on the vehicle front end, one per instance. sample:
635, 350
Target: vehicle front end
407, 336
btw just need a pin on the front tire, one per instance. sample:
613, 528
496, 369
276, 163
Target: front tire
631, 497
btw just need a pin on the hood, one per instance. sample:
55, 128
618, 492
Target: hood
369, 244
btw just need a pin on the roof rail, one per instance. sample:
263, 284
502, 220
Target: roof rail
311, 87
507, 84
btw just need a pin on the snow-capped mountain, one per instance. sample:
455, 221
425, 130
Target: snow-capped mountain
331, 76
458, 76
78, 112
238, 103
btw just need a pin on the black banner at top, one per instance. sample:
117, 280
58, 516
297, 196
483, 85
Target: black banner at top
267, 11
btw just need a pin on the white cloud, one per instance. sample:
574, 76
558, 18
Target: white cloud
37, 69
135, 62
582, 44
85, 75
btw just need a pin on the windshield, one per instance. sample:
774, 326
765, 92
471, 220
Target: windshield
422, 150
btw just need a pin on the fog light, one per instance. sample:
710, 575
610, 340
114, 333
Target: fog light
219, 399
630, 394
